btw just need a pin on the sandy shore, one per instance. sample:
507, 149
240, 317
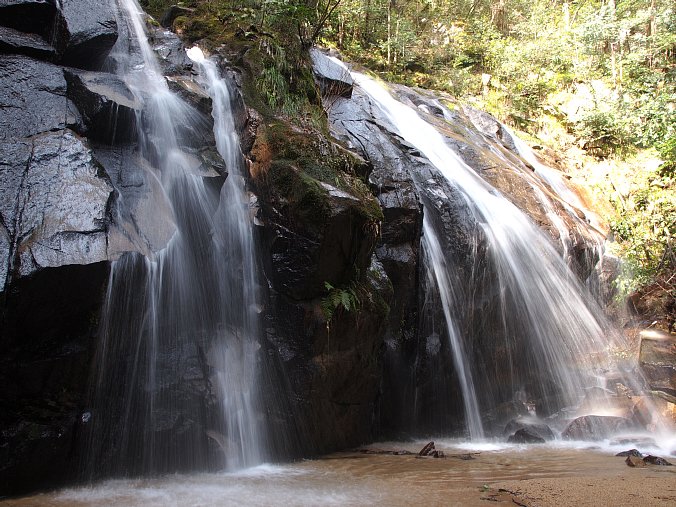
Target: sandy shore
654, 486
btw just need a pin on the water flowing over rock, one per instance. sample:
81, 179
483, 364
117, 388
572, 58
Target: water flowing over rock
506, 305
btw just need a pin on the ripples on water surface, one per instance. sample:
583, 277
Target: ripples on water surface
356, 479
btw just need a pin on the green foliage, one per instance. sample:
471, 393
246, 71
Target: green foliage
602, 133
340, 299
273, 86
645, 227
667, 151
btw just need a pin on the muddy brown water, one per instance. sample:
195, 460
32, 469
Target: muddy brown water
531, 475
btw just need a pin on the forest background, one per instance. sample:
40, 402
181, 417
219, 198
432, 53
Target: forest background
593, 80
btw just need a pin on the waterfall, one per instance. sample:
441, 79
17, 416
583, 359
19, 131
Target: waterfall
540, 318
238, 275
177, 365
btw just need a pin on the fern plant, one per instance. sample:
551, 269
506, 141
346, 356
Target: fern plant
339, 297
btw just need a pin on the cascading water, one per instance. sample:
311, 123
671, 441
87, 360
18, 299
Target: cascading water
543, 326
177, 382
236, 356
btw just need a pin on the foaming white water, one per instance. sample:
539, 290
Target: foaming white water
644, 442
567, 337
272, 487
195, 54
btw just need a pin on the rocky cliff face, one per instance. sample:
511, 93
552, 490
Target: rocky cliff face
54, 234
74, 198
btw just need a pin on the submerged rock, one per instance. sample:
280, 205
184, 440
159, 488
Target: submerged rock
541, 431
526, 436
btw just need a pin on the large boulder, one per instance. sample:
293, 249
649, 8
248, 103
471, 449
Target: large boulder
515, 426
88, 31
595, 427
525, 436
30, 16
34, 98
332, 75
73, 32
55, 201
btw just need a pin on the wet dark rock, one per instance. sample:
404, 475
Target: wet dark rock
88, 31
34, 98
73, 32
427, 449
30, 44
69, 205
29, 16
191, 92
55, 202
144, 218
489, 126
333, 369
540, 430
333, 77
47, 328
630, 452
503, 414
170, 51
390, 167
107, 106
525, 436
325, 246
594, 427
656, 460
